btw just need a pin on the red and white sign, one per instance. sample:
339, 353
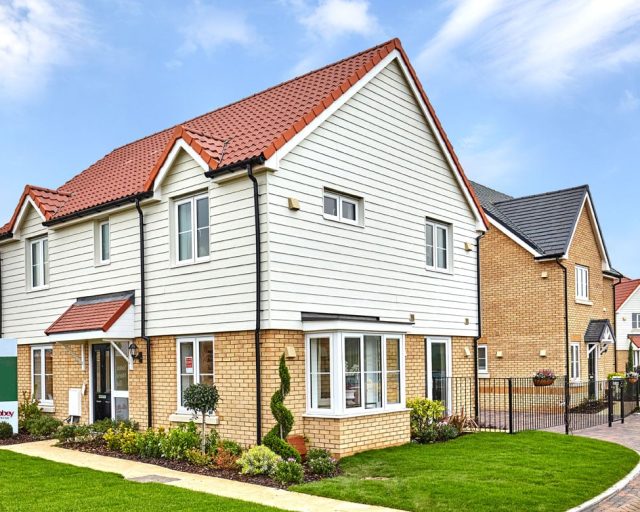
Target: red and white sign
188, 364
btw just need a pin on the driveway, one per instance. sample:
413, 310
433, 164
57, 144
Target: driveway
627, 500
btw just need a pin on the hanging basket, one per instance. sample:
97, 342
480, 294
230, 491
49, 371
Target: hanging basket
543, 382
632, 380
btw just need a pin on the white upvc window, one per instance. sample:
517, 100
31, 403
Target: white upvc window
636, 358
195, 364
104, 243
582, 283
635, 320
350, 374
342, 207
574, 362
38, 263
483, 359
42, 375
438, 251
192, 242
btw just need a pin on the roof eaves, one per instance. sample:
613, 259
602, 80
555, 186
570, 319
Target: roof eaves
517, 234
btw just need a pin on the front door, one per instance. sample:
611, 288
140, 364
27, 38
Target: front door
438, 362
592, 363
101, 381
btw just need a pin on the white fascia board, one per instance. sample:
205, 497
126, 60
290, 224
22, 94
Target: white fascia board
122, 329
274, 161
500, 227
594, 220
180, 144
23, 210
628, 299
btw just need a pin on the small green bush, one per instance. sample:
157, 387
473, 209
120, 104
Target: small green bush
197, 458
288, 472
230, 447
102, 426
212, 441
259, 460
202, 399
43, 426
73, 433
180, 440
28, 410
446, 432
438, 432
6, 430
320, 462
318, 453
424, 414
149, 443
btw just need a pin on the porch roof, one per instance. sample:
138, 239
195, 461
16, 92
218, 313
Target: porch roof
598, 331
635, 339
88, 314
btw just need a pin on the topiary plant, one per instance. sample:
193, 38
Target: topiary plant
202, 399
276, 438
6, 430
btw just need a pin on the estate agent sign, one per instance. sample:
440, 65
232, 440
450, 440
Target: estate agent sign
9, 383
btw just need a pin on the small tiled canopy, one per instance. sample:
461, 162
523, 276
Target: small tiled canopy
598, 330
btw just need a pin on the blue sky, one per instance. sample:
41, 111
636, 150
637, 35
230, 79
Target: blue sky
536, 95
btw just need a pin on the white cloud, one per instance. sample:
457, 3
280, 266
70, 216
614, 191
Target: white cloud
538, 43
36, 38
629, 101
334, 18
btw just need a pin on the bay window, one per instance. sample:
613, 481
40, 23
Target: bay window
195, 364
353, 373
42, 375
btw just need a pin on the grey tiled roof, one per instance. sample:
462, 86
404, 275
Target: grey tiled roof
544, 221
596, 329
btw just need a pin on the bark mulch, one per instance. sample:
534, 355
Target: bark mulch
20, 438
98, 447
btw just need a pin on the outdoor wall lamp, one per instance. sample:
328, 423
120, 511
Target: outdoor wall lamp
134, 353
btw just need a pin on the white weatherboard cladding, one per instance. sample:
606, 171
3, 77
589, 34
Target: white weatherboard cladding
377, 146
624, 324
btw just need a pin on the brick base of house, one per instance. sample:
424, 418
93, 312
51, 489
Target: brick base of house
235, 377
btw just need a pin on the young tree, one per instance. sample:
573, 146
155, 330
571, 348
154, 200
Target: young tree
202, 399
630, 367
276, 438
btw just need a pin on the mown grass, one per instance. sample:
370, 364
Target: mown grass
532, 471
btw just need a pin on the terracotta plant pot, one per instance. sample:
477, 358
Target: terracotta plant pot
632, 380
543, 382
298, 443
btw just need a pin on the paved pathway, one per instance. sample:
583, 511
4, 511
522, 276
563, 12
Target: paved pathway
141, 472
628, 499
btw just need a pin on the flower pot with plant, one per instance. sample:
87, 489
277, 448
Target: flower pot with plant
632, 377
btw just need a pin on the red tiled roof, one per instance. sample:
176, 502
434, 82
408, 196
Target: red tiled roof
99, 316
624, 291
254, 127
635, 339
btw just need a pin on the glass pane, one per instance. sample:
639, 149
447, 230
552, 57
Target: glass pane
107, 373
203, 242
121, 373
321, 391
352, 373
348, 210
442, 247
35, 265
185, 232
439, 371
184, 217
393, 354
186, 358
48, 361
45, 261
206, 358
97, 369
202, 210
37, 362
185, 246
121, 406
320, 368
206, 379
48, 387
185, 382
105, 242
37, 387
429, 235
36, 369
393, 387
373, 371
331, 206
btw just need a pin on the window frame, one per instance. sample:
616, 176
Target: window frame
101, 259
43, 273
485, 370
434, 226
193, 201
575, 365
195, 341
635, 321
43, 402
341, 198
338, 380
582, 283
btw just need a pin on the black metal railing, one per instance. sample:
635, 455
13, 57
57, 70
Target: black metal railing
517, 404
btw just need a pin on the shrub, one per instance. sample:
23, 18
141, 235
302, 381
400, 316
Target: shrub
6, 430
197, 458
446, 432
102, 426
212, 441
424, 414
230, 446
226, 454
180, 440
438, 432
129, 441
28, 410
288, 472
259, 460
73, 433
276, 438
202, 399
149, 443
318, 453
320, 462
43, 426
112, 438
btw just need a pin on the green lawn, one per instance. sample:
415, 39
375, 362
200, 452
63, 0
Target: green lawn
532, 471
28, 484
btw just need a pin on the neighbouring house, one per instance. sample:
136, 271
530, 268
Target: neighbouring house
137, 277
547, 287
628, 322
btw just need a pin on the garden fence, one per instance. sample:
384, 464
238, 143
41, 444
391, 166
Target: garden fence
517, 404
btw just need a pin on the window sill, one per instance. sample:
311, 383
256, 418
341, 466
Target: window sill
180, 417
103, 263
445, 271
48, 408
188, 264
485, 375
584, 302
39, 289
343, 222
328, 415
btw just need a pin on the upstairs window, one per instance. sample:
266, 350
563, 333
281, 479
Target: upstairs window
483, 359
342, 207
38, 256
635, 321
192, 233
438, 245
582, 283
104, 243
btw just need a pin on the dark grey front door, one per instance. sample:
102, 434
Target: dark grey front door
101, 381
